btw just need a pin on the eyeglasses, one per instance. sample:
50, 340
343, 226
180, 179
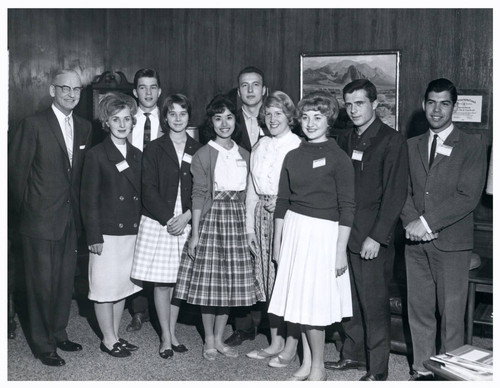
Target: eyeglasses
66, 89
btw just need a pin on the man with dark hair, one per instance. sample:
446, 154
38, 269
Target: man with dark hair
147, 90
380, 159
251, 90
447, 175
45, 163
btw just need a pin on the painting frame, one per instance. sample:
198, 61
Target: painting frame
332, 71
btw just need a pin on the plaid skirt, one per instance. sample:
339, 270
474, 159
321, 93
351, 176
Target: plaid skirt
265, 267
157, 253
222, 272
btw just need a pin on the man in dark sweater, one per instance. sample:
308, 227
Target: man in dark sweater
380, 158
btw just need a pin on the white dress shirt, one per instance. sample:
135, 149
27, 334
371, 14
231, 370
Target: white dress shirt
266, 161
61, 117
230, 169
136, 137
253, 128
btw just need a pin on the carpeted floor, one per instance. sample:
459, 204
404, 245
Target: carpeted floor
91, 364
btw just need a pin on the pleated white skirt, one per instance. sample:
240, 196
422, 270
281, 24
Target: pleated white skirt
306, 290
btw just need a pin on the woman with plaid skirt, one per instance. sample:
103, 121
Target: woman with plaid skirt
216, 269
166, 213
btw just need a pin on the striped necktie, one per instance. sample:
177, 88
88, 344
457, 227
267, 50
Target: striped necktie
68, 138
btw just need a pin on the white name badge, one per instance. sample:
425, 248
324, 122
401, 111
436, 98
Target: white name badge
319, 162
82, 147
444, 149
123, 165
357, 155
187, 158
241, 163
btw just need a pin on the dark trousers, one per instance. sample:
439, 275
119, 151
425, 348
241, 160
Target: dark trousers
50, 274
368, 331
139, 302
437, 280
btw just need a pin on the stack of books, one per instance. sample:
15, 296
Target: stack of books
468, 362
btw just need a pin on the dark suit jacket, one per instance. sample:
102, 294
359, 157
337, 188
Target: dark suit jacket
244, 140
44, 188
447, 194
161, 175
380, 183
110, 199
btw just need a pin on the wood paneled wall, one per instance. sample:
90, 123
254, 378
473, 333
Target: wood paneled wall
200, 51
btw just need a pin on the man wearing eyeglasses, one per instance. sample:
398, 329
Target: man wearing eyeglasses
45, 156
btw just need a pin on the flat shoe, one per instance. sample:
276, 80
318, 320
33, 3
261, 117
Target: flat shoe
323, 378
127, 345
179, 348
228, 352
116, 351
280, 362
167, 353
261, 354
210, 354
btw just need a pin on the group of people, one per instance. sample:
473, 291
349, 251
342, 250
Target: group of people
271, 220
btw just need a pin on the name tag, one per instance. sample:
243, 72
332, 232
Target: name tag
241, 163
82, 147
357, 155
319, 162
187, 158
444, 149
123, 165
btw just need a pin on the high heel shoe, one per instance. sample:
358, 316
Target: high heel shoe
281, 362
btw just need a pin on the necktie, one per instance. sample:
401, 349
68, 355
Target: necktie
69, 139
433, 150
147, 130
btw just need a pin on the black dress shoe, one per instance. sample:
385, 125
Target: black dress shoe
239, 336
167, 353
415, 376
137, 320
179, 348
116, 351
345, 364
69, 346
377, 377
127, 345
51, 359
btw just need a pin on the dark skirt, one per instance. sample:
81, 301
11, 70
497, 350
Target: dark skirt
222, 272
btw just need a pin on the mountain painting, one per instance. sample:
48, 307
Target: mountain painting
332, 72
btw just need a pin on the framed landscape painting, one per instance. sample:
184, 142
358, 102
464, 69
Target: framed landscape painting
332, 72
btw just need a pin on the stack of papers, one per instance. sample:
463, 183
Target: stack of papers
468, 362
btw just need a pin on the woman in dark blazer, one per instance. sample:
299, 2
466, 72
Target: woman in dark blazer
166, 214
111, 210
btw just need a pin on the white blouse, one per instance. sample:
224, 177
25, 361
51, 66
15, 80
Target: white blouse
230, 169
266, 161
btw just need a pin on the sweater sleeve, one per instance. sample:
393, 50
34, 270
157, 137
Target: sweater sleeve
201, 189
344, 182
283, 200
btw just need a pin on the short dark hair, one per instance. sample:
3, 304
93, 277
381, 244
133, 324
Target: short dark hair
251, 69
361, 84
167, 104
442, 85
321, 101
219, 104
148, 73
114, 102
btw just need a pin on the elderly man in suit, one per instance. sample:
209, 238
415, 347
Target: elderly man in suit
380, 159
45, 163
447, 174
251, 90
